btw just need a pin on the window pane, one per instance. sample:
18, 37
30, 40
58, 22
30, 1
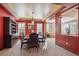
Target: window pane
69, 24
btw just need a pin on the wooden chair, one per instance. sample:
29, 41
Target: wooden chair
42, 38
23, 41
33, 41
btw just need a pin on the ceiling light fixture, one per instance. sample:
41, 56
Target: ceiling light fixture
32, 18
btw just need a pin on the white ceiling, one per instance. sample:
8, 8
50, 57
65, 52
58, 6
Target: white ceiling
35, 10
25, 10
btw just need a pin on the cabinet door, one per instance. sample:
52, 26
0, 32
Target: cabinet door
7, 38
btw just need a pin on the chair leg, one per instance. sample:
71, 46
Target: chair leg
28, 47
37, 49
21, 45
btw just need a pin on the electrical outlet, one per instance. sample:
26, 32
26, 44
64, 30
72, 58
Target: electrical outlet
66, 43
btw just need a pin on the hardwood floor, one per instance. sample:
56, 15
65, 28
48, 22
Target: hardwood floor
49, 49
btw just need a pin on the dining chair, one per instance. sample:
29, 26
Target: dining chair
33, 41
23, 41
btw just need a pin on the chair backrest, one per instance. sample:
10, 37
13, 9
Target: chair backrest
33, 38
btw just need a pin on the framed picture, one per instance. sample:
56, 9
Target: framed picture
30, 26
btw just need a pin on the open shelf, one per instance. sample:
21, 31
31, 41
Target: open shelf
9, 30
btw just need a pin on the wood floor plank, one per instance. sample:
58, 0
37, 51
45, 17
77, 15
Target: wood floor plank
49, 49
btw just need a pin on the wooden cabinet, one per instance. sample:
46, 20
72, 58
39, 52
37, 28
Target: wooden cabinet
9, 30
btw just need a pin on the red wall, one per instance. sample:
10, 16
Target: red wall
27, 32
6, 13
73, 43
70, 43
1, 32
29, 21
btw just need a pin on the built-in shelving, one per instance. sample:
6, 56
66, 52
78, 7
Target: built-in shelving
9, 30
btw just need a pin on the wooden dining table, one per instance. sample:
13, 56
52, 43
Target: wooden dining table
41, 39
25, 40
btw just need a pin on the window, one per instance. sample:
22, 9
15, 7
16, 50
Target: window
51, 27
69, 25
21, 28
39, 28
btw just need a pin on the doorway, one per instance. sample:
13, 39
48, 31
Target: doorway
50, 28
